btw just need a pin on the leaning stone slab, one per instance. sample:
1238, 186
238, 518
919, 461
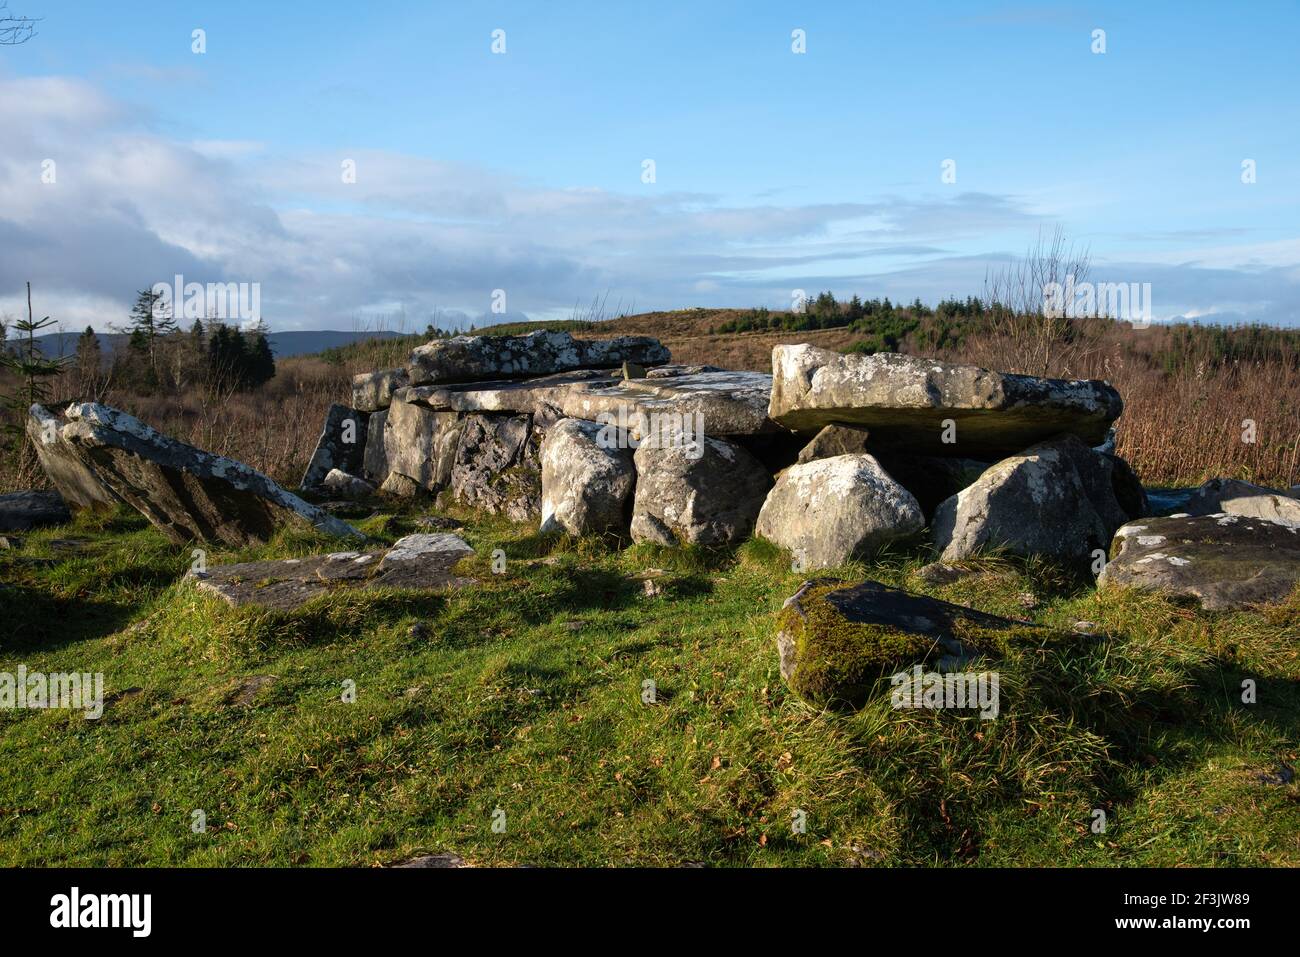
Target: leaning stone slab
705, 493
373, 391
342, 446
189, 494
20, 511
75, 481
1234, 497
830, 510
907, 402
1223, 561
838, 642
587, 483
1056, 500
468, 358
422, 562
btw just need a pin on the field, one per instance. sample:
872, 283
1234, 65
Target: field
522, 701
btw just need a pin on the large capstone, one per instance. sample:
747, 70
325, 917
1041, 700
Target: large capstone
68, 472
189, 494
587, 479
1057, 500
469, 358
342, 446
926, 406
704, 492
1223, 561
840, 643
830, 510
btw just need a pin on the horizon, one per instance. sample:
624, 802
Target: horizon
901, 154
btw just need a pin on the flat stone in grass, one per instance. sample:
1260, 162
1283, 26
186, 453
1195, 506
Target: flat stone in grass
837, 641
423, 561
20, 511
905, 402
1222, 561
187, 493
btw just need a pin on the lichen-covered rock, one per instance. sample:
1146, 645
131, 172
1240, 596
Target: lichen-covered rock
497, 467
705, 493
1056, 500
837, 641
342, 445
373, 391
711, 401
1234, 497
907, 402
835, 440
343, 485
830, 510
1222, 561
20, 511
587, 483
420, 444
189, 494
75, 481
469, 358
423, 562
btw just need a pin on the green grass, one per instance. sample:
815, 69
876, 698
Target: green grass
526, 695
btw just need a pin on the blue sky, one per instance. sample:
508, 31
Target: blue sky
522, 171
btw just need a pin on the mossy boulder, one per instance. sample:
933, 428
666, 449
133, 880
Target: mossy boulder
838, 641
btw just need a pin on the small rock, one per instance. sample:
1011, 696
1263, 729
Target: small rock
419, 631
433, 860
1086, 627
633, 370
939, 573
20, 511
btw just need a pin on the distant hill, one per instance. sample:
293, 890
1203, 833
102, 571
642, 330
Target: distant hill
283, 344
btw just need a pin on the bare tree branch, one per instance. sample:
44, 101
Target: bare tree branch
15, 30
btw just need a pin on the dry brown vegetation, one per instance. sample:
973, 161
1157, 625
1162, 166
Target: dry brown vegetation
1183, 422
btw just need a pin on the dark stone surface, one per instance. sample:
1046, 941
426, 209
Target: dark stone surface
20, 511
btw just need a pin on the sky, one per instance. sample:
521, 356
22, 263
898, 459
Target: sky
370, 165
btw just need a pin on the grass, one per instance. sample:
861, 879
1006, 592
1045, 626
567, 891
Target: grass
526, 694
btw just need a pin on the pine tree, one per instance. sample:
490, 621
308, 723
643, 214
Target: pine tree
89, 360
34, 373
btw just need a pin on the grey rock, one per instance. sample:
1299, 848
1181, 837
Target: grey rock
1056, 500
1235, 497
420, 443
400, 486
70, 475
422, 562
344, 485
20, 511
704, 494
342, 445
835, 440
1223, 561
497, 469
470, 358
434, 860
832, 509
718, 403
587, 481
189, 494
633, 370
905, 401
373, 391
374, 463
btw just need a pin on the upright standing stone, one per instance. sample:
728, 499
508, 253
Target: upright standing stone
705, 493
587, 483
342, 446
75, 480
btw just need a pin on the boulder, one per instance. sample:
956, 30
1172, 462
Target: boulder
496, 468
420, 444
1223, 561
838, 641
835, 440
373, 391
347, 486
708, 492
833, 509
189, 494
1234, 497
20, 511
470, 358
342, 445
374, 462
423, 562
587, 482
1056, 500
75, 481
906, 401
